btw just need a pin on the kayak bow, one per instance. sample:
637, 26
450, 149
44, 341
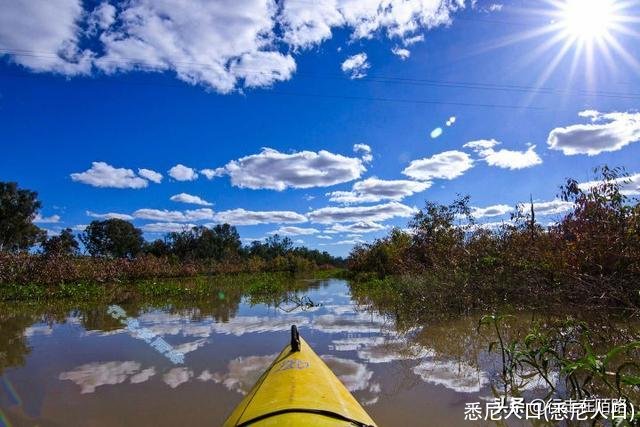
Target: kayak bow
299, 389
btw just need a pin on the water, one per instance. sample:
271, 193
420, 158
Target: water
79, 366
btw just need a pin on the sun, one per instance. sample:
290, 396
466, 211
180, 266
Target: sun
587, 20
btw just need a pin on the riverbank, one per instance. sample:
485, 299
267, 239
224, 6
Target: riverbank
262, 286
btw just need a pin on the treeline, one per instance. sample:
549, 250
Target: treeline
114, 249
446, 260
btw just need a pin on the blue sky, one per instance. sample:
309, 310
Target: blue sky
312, 118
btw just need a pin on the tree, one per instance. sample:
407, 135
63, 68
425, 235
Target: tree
217, 243
62, 244
158, 247
115, 238
18, 208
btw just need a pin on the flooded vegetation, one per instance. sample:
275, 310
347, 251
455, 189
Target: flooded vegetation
72, 363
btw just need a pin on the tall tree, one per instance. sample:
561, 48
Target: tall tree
18, 208
115, 238
62, 244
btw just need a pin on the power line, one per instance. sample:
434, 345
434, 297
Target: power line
141, 65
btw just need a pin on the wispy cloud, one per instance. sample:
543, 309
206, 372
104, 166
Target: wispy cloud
376, 190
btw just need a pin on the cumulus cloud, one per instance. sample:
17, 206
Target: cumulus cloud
383, 212
189, 198
356, 227
109, 215
606, 132
295, 231
53, 219
365, 150
244, 217
151, 175
43, 35
104, 175
307, 24
401, 52
183, 173
376, 190
506, 159
271, 169
445, 165
177, 376
356, 66
174, 216
212, 173
94, 375
222, 45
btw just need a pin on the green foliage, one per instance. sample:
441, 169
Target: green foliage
113, 238
62, 244
564, 357
18, 208
591, 256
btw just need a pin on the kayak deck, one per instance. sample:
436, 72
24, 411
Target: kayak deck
299, 389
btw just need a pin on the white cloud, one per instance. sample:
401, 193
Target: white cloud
495, 210
189, 198
506, 159
365, 150
222, 45
629, 186
271, 169
457, 376
151, 175
101, 18
53, 219
400, 52
96, 374
104, 175
174, 216
309, 23
324, 237
445, 165
43, 35
356, 227
110, 215
213, 173
356, 66
295, 231
330, 215
375, 190
244, 217
177, 376
260, 69
216, 44
551, 207
166, 227
183, 173
606, 132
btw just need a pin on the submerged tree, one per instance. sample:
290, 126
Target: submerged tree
18, 208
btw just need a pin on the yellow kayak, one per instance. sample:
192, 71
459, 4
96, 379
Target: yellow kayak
298, 389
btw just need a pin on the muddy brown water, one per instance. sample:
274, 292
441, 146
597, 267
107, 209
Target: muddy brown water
69, 366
